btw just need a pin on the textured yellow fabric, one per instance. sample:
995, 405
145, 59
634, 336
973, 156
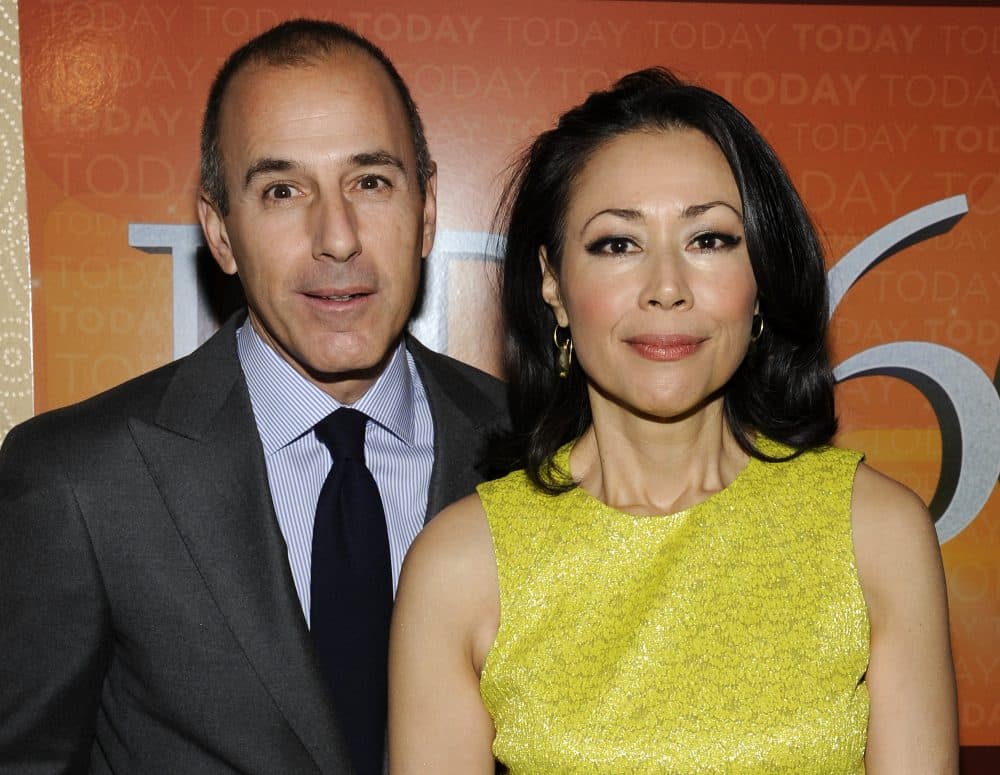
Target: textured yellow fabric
731, 637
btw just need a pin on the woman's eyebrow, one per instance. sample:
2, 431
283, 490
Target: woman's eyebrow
624, 213
693, 211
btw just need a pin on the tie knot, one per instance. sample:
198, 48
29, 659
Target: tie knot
343, 433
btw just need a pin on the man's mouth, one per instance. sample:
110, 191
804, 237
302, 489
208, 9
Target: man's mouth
337, 296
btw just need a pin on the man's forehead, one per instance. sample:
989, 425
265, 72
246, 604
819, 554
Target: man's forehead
341, 106
348, 82
351, 68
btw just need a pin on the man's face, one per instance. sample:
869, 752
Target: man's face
327, 227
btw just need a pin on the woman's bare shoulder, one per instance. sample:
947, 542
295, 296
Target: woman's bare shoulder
894, 539
882, 508
913, 723
449, 583
451, 565
456, 540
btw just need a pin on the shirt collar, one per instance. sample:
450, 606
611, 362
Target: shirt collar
286, 405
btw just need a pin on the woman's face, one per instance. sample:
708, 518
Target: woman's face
655, 284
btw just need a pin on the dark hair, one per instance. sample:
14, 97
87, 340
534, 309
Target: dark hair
782, 389
297, 43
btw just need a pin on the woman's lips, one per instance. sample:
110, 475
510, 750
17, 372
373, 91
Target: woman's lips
673, 347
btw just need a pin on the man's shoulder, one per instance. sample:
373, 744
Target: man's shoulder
142, 396
139, 395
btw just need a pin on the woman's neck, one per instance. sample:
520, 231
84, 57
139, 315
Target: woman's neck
650, 466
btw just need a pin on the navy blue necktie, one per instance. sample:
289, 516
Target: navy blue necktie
352, 589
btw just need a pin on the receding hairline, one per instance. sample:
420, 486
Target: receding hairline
233, 111
299, 43
344, 52
308, 53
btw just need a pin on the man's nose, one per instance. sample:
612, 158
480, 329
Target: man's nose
335, 229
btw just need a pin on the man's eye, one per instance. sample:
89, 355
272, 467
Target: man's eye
280, 191
373, 182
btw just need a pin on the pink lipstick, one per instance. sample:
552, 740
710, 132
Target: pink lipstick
673, 347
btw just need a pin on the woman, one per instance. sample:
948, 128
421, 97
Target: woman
684, 577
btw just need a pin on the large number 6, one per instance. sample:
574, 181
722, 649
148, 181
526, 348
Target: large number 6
963, 397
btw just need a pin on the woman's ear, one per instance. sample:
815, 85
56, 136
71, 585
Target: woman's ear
550, 288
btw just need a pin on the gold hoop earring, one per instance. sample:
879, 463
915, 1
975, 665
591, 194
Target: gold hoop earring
756, 327
564, 357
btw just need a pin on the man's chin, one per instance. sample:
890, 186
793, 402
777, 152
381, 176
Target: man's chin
347, 378
343, 372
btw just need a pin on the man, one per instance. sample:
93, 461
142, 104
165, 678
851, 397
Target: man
156, 542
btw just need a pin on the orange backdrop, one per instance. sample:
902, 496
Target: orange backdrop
877, 111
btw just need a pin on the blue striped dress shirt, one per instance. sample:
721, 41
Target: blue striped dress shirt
399, 448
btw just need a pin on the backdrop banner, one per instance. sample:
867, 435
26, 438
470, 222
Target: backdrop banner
888, 119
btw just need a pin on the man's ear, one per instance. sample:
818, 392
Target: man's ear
550, 288
430, 212
216, 235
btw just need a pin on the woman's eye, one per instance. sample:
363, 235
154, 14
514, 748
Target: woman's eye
611, 245
715, 241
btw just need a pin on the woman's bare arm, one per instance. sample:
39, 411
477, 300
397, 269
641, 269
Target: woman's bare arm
445, 620
913, 728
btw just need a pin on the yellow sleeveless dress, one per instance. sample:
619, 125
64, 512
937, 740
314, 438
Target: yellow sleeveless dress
731, 637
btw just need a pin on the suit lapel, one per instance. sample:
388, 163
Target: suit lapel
458, 408
205, 455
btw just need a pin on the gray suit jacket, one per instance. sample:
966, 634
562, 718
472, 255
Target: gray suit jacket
148, 620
